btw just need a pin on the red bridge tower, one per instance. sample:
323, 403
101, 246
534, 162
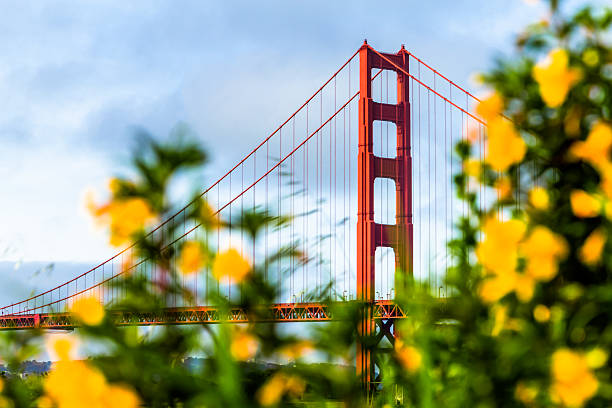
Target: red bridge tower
371, 235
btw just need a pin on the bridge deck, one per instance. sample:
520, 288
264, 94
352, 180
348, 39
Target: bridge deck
280, 312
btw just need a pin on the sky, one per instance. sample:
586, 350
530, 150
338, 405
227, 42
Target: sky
76, 78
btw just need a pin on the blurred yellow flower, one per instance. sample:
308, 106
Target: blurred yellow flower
88, 310
491, 107
573, 381
244, 345
554, 77
473, 168
584, 205
543, 250
296, 350
503, 187
408, 356
61, 347
497, 286
524, 287
591, 250
124, 217
525, 394
120, 396
505, 146
498, 252
192, 258
538, 198
75, 384
230, 267
279, 384
541, 313
596, 358
596, 148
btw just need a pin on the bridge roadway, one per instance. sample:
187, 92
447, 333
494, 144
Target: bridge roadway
280, 312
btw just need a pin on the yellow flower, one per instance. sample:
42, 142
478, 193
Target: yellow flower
497, 286
490, 107
121, 396
596, 148
505, 146
543, 249
525, 394
498, 252
538, 198
244, 345
279, 384
61, 347
596, 358
524, 287
296, 350
75, 384
591, 250
88, 310
503, 187
584, 205
125, 217
192, 258
473, 168
409, 357
555, 78
573, 381
541, 313
230, 267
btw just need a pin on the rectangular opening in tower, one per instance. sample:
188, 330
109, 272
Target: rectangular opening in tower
384, 201
384, 267
384, 135
384, 86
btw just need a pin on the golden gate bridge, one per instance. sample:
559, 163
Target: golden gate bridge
364, 166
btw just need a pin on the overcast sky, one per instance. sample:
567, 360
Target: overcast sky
76, 77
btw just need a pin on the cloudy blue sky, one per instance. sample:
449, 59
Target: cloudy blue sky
76, 77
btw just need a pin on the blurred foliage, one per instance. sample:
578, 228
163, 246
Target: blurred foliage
527, 321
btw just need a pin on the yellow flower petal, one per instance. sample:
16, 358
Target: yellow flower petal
554, 77
591, 250
192, 258
584, 205
505, 146
244, 345
121, 396
538, 198
596, 148
88, 310
574, 383
409, 357
491, 107
230, 267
